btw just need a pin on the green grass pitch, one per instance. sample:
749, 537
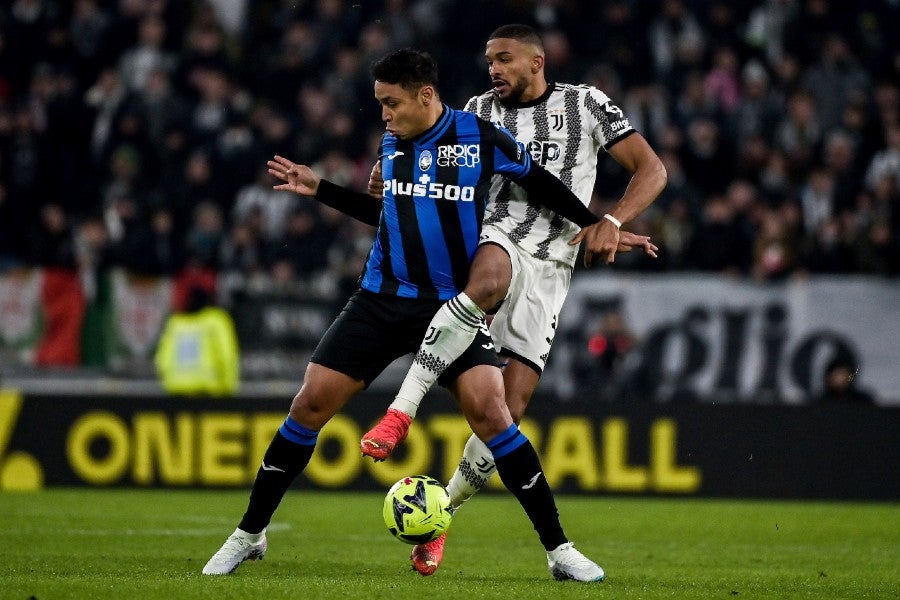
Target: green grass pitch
68, 543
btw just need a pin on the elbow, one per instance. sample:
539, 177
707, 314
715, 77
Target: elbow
661, 176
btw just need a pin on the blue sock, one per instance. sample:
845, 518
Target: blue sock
504, 443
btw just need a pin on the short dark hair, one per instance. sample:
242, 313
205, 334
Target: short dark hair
522, 33
409, 68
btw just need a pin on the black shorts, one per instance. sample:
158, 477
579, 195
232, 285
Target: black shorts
373, 330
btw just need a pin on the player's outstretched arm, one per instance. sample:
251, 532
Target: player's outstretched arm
299, 179
302, 180
648, 179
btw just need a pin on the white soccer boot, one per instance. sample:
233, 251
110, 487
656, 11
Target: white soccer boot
239, 546
565, 562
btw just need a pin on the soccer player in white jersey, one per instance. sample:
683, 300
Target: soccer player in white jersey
526, 253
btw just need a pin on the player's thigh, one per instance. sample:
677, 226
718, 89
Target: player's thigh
324, 392
371, 332
479, 392
525, 325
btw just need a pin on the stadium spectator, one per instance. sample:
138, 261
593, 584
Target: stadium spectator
243, 253
839, 385
721, 83
52, 242
198, 352
677, 42
800, 131
598, 365
774, 250
147, 55
93, 255
757, 110
304, 246
271, 206
718, 242
885, 165
707, 156
204, 238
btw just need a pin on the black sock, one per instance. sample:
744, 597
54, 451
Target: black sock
284, 460
521, 472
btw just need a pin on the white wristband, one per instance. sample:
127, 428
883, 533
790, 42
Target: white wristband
613, 220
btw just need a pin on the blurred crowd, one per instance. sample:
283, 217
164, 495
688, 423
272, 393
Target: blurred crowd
134, 133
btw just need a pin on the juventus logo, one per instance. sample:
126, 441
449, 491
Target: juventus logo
484, 465
432, 336
556, 122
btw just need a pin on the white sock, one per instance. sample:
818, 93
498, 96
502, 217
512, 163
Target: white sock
474, 470
450, 332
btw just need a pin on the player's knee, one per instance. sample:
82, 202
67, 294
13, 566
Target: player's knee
517, 412
488, 416
486, 290
309, 409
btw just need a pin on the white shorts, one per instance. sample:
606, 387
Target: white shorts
525, 324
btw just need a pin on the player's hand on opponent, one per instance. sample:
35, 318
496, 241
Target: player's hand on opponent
376, 182
603, 239
299, 179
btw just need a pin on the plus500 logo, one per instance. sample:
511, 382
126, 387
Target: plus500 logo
435, 191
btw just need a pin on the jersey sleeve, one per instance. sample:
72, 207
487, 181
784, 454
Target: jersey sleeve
611, 124
510, 156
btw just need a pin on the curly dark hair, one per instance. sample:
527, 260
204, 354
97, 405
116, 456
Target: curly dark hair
409, 68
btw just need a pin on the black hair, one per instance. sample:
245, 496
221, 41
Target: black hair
409, 68
522, 33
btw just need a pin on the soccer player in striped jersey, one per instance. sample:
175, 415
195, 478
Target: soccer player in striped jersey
439, 165
526, 253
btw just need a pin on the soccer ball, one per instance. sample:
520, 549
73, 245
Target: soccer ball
417, 509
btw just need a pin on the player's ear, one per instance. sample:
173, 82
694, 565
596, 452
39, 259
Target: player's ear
537, 63
426, 94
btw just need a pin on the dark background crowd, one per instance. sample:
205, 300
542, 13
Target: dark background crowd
134, 133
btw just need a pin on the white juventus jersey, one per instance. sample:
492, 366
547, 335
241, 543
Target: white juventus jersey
563, 130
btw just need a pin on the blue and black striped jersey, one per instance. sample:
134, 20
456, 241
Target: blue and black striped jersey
435, 191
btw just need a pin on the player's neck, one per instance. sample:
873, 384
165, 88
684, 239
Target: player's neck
432, 115
535, 90
535, 93
436, 109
